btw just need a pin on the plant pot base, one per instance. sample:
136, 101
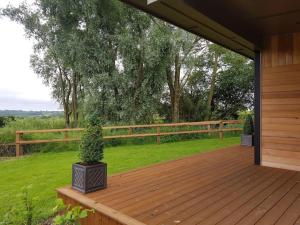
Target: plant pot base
247, 140
89, 178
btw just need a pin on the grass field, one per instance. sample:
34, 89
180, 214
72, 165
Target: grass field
47, 171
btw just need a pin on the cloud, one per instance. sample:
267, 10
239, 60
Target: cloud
19, 85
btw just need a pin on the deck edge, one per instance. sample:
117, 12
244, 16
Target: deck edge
99, 207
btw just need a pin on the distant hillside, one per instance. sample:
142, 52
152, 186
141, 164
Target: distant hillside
21, 113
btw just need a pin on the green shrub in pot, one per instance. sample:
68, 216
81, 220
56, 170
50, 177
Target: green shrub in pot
90, 174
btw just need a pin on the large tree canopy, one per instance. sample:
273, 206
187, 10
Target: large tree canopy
106, 56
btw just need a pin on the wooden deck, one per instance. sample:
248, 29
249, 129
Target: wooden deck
220, 187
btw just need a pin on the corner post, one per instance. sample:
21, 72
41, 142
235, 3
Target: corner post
257, 108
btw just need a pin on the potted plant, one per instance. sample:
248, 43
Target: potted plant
248, 131
90, 174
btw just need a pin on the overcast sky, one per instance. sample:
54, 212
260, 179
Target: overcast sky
20, 87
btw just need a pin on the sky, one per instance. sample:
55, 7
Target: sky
20, 87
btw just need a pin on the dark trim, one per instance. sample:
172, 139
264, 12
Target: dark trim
148, 9
257, 110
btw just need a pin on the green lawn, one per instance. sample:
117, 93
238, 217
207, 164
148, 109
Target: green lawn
47, 171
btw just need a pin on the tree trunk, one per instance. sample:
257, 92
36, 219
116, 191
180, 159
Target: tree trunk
64, 102
212, 87
177, 88
67, 92
140, 77
169, 74
75, 100
174, 88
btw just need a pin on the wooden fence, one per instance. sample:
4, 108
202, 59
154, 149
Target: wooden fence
211, 127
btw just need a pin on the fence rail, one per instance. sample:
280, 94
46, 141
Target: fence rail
219, 127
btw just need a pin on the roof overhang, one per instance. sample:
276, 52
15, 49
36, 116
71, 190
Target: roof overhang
239, 25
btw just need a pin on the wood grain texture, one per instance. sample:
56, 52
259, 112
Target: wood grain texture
280, 105
221, 187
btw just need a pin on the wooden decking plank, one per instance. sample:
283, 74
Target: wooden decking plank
187, 212
169, 202
259, 212
126, 177
245, 209
157, 171
180, 183
221, 187
244, 194
291, 215
189, 200
136, 184
134, 190
297, 221
167, 167
241, 206
274, 214
110, 213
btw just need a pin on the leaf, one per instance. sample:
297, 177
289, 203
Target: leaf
83, 214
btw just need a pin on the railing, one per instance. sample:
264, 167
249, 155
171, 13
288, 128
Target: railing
219, 127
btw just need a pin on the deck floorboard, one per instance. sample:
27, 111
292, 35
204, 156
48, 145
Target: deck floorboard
221, 187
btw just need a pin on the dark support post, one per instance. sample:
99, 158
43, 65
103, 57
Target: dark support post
257, 98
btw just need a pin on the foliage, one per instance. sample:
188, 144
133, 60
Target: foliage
105, 55
244, 114
68, 215
234, 91
29, 123
92, 143
48, 60
40, 168
26, 214
2, 122
248, 126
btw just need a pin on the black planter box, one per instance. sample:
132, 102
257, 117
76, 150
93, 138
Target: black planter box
89, 178
247, 140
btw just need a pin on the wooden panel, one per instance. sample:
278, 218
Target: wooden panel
221, 187
280, 104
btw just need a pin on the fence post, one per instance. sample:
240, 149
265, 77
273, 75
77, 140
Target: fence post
130, 130
66, 136
209, 128
19, 148
221, 133
158, 135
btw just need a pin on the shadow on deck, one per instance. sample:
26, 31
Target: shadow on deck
220, 187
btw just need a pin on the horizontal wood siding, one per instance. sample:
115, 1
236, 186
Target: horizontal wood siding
280, 110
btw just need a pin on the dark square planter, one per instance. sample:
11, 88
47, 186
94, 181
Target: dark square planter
89, 178
247, 140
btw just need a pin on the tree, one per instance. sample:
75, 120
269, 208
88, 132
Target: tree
99, 55
48, 60
235, 86
181, 48
214, 62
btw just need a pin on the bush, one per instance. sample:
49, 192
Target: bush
92, 144
25, 214
68, 215
2, 122
248, 126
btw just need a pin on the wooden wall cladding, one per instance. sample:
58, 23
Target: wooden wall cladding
280, 109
